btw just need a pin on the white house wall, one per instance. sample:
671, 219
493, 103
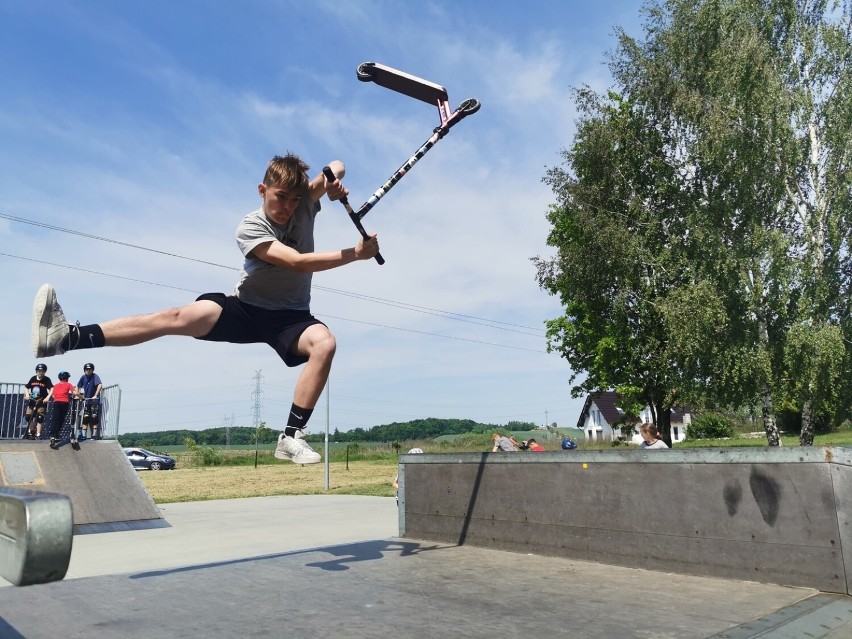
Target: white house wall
596, 428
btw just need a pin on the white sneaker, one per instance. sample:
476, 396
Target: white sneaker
296, 449
49, 324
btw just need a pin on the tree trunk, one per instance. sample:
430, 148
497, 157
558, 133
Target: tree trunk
773, 437
664, 426
806, 437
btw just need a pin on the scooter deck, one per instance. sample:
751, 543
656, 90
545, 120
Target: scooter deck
402, 82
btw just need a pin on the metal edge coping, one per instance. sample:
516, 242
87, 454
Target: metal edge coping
790, 455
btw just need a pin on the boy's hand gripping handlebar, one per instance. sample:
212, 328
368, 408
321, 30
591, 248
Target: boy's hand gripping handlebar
331, 177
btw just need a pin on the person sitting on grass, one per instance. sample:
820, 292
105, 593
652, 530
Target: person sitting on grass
502, 444
534, 446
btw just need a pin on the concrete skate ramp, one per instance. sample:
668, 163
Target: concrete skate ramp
104, 490
779, 516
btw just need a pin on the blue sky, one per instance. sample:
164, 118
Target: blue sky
151, 124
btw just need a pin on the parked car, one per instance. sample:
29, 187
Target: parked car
146, 460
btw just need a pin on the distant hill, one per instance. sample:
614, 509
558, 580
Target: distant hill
239, 436
429, 428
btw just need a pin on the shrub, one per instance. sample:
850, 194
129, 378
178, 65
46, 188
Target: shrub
203, 455
710, 426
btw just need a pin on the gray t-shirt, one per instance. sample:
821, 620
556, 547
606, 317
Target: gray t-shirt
268, 285
505, 445
657, 444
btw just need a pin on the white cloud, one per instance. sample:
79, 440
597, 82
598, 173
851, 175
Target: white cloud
161, 140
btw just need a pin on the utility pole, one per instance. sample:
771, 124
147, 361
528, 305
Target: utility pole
326, 482
228, 423
546, 422
257, 398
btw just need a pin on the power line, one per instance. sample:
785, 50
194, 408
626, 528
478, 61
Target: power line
397, 328
500, 325
460, 339
432, 311
84, 270
90, 236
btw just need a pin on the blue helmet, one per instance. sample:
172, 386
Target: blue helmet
63, 375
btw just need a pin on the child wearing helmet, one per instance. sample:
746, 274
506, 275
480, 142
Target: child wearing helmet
35, 395
89, 390
61, 394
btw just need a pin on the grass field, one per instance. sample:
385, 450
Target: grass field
229, 482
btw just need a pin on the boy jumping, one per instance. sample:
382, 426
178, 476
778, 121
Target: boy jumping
270, 304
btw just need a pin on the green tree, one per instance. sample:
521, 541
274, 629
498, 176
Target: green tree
762, 95
618, 228
737, 112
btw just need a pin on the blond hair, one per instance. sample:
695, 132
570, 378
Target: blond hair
288, 172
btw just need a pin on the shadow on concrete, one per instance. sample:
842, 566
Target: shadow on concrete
345, 554
474, 491
8, 632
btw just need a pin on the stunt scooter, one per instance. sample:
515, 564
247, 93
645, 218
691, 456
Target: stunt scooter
419, 89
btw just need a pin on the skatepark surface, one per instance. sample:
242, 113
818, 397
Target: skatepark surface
333, 566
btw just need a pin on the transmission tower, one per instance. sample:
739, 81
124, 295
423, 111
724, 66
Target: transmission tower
257, 398
228, 423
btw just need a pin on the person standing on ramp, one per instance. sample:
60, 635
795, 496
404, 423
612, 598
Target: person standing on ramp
61, 394
35, 395
90, 389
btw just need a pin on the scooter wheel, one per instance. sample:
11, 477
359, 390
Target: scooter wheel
469, 107
366, 71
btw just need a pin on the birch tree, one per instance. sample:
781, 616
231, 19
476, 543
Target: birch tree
751, 101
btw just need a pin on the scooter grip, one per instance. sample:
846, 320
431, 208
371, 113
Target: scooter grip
331, 177
329, 174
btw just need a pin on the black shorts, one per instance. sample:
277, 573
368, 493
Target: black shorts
242, 323
92, 413
36, 405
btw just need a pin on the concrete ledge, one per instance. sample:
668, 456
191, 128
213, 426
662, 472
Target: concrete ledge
104, 490
770, 515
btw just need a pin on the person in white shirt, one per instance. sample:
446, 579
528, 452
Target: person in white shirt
651, 436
